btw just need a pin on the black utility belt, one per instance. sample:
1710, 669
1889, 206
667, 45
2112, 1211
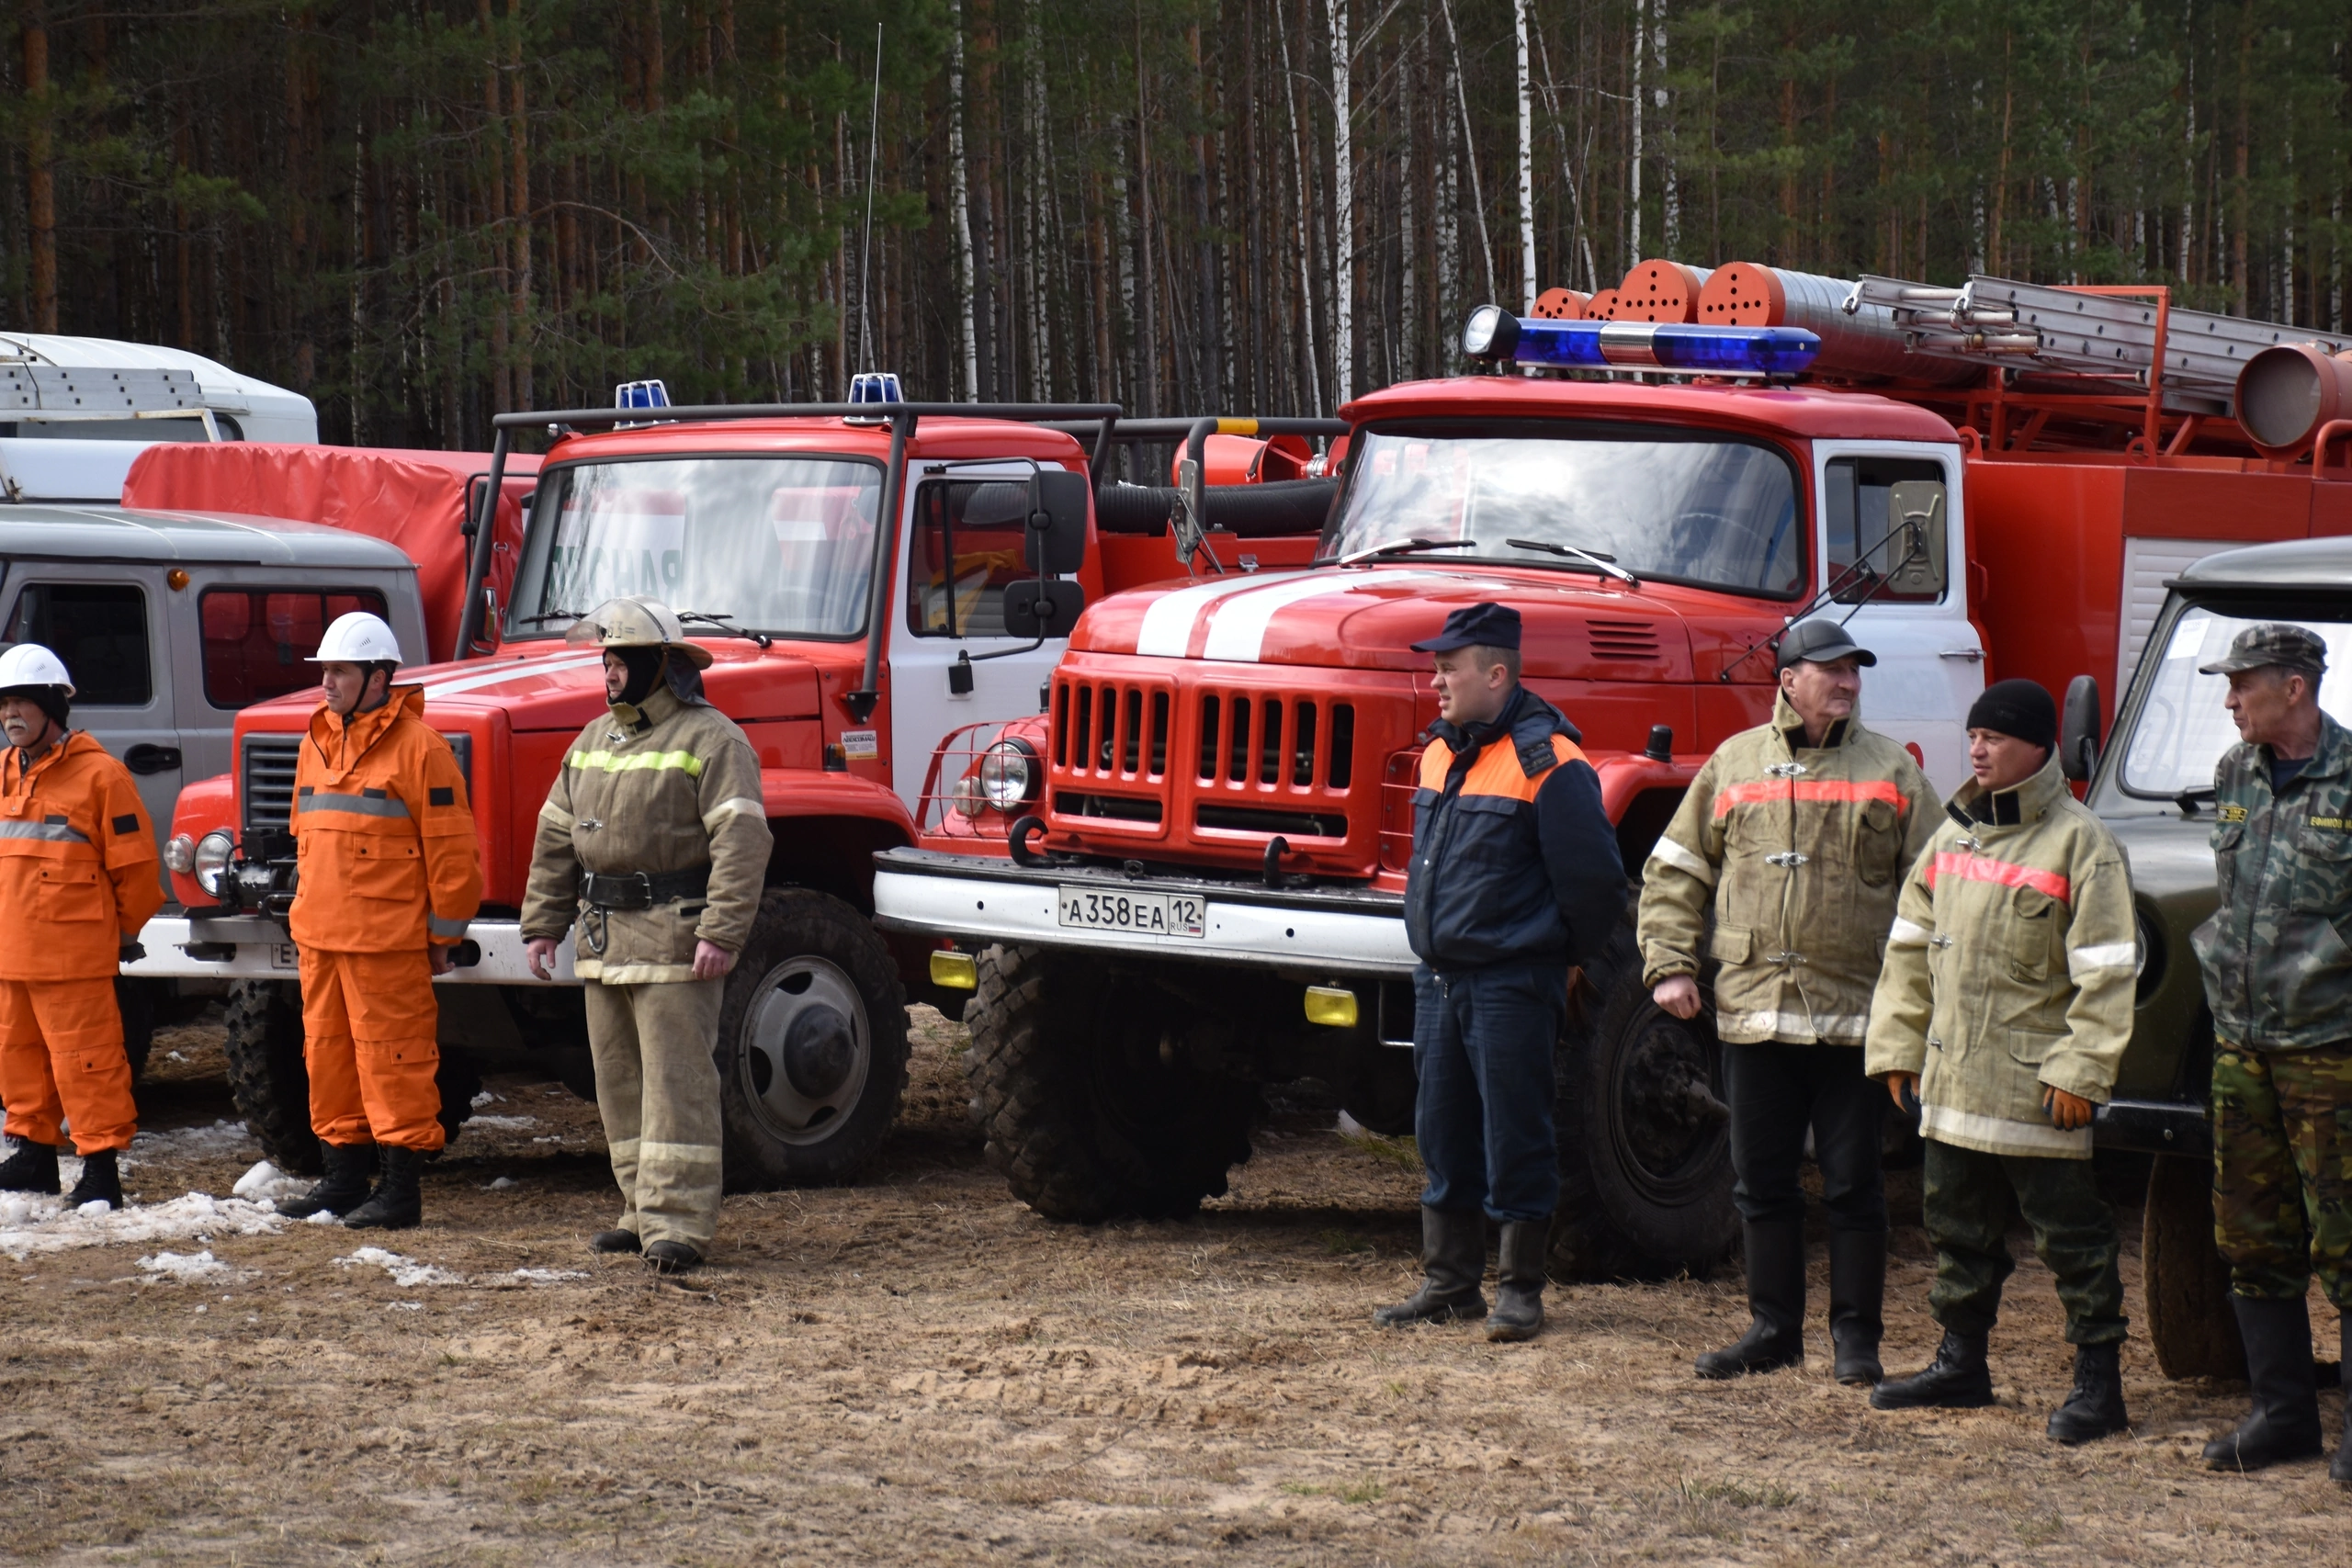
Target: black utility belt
642, 889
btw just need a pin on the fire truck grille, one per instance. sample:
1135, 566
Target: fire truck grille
1258, 738
1111, 729
1623, 639
267, 785
1108, 807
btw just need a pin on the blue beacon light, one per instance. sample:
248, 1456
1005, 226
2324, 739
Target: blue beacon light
1491, 335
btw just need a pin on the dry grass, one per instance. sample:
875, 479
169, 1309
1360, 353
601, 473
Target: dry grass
921, 1371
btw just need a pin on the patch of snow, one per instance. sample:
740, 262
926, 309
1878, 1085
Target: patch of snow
485, 1098
94, 1207
515, 1122
324, 1217
398, 1306
548, 1276
187, 1269
29, 1224
220, 1139
502, 1183
407, 1272
265, 1183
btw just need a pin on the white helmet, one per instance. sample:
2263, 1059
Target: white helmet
358, 638
636, 621
30, 664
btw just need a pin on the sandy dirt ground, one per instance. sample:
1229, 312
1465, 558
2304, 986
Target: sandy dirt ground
918, 1370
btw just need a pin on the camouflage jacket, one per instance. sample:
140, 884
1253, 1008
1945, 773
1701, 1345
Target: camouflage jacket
2009, 970
2277, 972
1798, 853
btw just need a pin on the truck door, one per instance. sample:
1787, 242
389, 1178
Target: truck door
966, 541
1931, 662
111, 626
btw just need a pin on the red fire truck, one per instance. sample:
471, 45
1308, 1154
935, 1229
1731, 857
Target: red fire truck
851, 653
1185, 880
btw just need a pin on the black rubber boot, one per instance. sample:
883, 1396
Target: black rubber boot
1518, 1282
670, 1256
2284, 1424
1775, 1337
615, 1241
1857, 1297
32, 1168
349, 1168
2340, 1468
1958, 1378
101, 1182
1453, 1259
395, 1205
2095, 1409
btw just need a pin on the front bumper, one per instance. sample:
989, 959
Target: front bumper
249, 947
2154, 1127
980, 899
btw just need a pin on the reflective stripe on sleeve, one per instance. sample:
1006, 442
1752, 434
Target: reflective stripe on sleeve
1795, 1028
2082, 961
2001, 873
1665, 851
685, 762
1906, 933
55, 833
741, 806
1840, 792
436, 926
361, 805
1997, 1134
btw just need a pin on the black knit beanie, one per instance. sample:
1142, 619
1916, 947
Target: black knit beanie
2018, 708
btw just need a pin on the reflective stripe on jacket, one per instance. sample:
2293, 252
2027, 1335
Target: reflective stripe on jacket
1513, 857
78, 875
383, 834
665, 786
2010, 969
2278, 966
1798, 853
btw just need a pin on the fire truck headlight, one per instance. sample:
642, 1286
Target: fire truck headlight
1009, 774
179, 855
211, 860
1490, 334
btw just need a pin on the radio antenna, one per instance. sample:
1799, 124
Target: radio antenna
865, 245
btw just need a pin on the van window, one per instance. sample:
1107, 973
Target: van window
1856, 497
99, 629
256, 640
970, 541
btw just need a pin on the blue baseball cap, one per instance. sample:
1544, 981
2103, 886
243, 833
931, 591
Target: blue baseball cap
1479, 625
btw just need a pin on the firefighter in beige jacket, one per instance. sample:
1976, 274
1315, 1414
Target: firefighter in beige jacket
2007, 999
655, 841
1795, 837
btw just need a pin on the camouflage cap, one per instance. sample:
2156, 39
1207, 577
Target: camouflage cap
2271, 642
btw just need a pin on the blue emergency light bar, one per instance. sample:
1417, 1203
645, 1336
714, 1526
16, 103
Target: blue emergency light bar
1494, 335
641, 395
875, 386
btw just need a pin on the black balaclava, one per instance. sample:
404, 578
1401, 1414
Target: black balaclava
644, 669
50, 700
684, 679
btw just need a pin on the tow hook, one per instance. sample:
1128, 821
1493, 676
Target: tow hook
1276, 847
1017, 841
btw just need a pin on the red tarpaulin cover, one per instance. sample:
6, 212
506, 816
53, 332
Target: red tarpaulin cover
413, 501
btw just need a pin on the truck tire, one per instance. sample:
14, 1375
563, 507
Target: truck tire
272, 1087
1086, 1116
812, 1045
1644, 1139
2187, 1285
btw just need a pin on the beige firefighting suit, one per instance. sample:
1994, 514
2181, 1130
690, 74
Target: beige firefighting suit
1800, 858
2010, 969
659, 788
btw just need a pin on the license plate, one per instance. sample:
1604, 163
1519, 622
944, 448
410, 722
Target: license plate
281, 955
1148, 914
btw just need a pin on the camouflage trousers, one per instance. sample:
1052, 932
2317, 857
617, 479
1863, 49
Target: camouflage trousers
2282, 1169
1968, 1200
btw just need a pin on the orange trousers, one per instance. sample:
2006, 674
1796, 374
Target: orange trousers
62, 1061
368, 1028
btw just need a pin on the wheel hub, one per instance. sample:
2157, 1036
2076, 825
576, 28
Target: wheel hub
806, 1049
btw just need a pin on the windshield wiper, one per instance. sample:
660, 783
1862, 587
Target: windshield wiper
2187, 799
1401, 548
551, 616
719, 621
1604, 564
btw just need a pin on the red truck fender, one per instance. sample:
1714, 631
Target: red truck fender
1640, 794
808, 792
202, 806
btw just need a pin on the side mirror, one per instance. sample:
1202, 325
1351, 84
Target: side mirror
1057, 528
2079, 734
1041, 609
1918, 560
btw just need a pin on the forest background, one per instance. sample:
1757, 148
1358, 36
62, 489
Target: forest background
421, 212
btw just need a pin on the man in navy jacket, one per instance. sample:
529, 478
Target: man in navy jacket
1515, 881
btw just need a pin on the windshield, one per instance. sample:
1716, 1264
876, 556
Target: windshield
1711, 511
777, 544
2182, 728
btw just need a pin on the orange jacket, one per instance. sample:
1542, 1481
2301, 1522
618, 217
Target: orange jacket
383, 835
77, 862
